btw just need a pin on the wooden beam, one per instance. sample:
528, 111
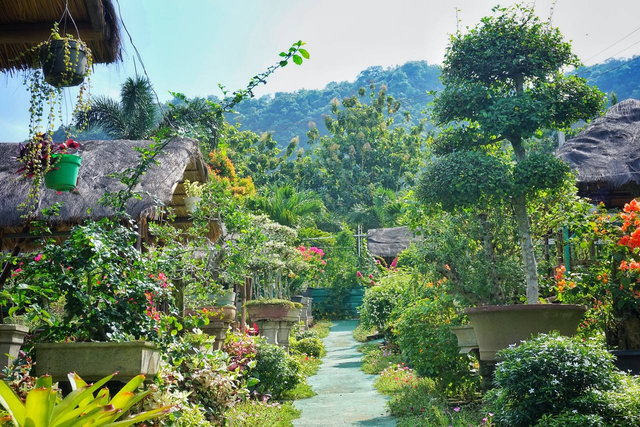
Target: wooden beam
96, 14
36, 33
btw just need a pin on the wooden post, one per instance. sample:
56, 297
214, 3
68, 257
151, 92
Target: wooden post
245, 290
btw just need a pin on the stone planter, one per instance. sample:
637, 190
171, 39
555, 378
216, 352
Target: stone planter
498, 326
11, 339
267, 312
228, 298
467, 340
95, 360
284, 327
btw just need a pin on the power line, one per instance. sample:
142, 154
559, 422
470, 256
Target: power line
607, 48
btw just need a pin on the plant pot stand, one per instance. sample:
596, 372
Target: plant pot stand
284, 327
269, 330
627, 360
498, 326
96, 360
219, 321
467, 340
11, 339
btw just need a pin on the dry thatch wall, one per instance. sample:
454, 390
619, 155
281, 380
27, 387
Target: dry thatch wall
25, 23
389, 242
163, 182
606, 155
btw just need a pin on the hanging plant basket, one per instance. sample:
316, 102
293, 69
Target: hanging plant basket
64, 62
64, 174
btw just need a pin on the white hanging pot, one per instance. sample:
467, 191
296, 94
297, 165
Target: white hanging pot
191, 203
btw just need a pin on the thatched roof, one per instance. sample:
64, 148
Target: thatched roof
606, 155
25, 23
182, 160
389, 242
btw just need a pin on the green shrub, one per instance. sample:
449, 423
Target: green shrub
422, 332
277, 371
309, 346
299, 335
380, 300
552, 375
570, 419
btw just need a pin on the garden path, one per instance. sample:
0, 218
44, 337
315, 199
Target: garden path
346, 396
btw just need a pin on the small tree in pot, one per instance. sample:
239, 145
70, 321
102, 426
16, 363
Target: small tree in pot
503, 84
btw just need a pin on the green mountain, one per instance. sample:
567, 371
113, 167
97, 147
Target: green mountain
289, 114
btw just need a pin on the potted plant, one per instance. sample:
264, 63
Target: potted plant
193, 191
72, 58
110, 293
66, 61
493, 101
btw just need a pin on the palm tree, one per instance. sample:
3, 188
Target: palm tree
287, 206
135, 116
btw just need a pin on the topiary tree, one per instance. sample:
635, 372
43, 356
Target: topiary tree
503, 82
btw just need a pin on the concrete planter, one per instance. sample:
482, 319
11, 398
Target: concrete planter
498, 326
11, 339
267, 312
95, 360
467, 340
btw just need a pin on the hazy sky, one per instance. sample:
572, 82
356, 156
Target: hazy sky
192, 45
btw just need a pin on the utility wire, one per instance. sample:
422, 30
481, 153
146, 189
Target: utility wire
607, 48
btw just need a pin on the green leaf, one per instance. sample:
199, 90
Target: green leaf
304, 53
297, 59
283, 63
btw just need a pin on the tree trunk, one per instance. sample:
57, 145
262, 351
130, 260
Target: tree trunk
526, 245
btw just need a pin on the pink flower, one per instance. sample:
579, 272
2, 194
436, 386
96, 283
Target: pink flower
456, 409
38, 258
371, 276
358, 274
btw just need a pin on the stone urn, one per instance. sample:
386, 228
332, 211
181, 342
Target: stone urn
499, 326
96, 360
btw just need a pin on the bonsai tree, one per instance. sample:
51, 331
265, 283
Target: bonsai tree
503, 84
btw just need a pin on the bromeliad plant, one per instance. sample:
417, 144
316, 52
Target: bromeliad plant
81, 407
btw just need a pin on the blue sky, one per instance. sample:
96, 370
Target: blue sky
192, 45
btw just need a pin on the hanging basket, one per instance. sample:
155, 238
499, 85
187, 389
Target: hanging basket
64, 174
61, 70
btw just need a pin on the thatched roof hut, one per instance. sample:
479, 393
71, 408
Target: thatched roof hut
163, 182
387, 243
606, 156
26, 23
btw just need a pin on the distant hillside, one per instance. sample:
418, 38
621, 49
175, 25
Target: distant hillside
288, 114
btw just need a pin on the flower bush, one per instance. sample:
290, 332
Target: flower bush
552, 375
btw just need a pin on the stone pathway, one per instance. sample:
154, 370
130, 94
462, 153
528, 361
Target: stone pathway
346, 396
